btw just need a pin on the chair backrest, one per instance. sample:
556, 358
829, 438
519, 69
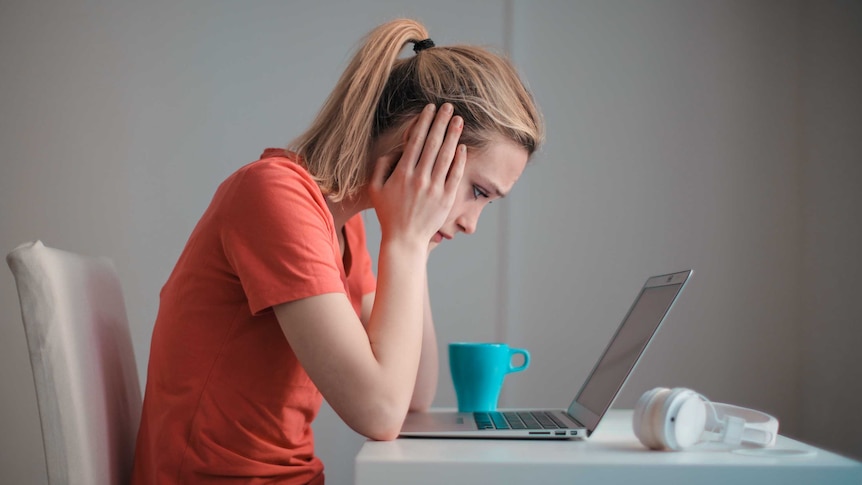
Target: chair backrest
83, 363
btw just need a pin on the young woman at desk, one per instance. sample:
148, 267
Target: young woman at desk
273, 305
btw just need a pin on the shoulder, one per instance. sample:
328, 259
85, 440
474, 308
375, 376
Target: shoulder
276, 178
274, 166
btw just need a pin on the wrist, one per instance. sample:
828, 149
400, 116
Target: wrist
406, 248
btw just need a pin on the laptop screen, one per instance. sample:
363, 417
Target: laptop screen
624, 350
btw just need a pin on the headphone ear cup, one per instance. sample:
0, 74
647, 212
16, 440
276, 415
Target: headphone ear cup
685, 420
682, 419
644, 417
662, 427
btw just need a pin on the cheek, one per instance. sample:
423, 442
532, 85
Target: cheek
463, 197
456, 209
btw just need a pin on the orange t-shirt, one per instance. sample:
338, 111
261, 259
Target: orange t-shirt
226, 398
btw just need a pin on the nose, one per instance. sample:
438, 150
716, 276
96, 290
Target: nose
468, 220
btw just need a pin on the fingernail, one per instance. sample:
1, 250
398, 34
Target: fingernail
447, 108
430, 107
459, 122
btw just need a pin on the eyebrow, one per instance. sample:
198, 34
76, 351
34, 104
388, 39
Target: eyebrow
493, 188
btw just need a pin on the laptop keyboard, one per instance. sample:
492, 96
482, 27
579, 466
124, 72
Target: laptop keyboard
518, 420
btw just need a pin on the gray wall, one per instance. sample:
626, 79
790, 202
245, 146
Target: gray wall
831, 182
718, 135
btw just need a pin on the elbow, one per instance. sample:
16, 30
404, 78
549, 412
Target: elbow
380, 423
388, 424
384, 434
381, 431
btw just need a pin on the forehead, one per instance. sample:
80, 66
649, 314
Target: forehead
501, 162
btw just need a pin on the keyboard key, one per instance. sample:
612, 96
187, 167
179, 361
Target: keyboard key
518, 420
499, 420
514, 421
529, 421
545, 421
483, 421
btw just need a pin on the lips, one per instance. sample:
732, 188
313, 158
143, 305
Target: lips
440, 236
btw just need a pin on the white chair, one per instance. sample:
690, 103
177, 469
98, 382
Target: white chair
83, 363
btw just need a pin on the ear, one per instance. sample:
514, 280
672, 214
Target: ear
395, 138
407, 127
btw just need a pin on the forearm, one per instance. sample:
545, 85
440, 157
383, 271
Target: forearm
395, 328
429, 362
367, 374
412, 201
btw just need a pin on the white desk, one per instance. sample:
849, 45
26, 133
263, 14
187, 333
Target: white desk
611, 456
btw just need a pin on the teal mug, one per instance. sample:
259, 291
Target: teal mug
478, 370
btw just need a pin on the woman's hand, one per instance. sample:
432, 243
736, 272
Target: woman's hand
413, 202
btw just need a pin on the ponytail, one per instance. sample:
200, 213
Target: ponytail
379, 92
335, 147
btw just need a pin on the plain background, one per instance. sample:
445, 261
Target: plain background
722, 136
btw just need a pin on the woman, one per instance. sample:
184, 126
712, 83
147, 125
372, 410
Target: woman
273, 305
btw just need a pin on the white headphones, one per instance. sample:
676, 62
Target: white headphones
674, 419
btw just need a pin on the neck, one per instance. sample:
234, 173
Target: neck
346, 208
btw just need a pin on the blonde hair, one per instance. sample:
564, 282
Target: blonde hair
378, 92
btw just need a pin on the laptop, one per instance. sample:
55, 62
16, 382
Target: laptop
591, 402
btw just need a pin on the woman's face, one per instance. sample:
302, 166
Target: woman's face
490, 173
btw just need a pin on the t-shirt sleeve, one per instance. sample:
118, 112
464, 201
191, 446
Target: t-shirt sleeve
277, 236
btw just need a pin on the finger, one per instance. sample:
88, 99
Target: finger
447, 151
435, 138
417, 137
456, 171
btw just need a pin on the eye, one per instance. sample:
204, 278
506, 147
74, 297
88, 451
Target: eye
478, 192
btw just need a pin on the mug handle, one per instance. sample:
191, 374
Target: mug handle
525, 353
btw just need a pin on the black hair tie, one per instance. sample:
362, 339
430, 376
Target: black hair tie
422, 45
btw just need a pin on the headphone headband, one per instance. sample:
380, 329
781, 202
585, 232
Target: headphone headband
745, 425
677, 418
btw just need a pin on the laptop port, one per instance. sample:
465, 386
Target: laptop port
560, 433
